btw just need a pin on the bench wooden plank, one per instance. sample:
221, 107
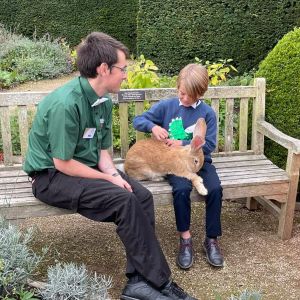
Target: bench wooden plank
228, 136
23, 128
243, 124
6, 135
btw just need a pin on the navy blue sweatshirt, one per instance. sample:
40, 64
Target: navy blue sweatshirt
164, 111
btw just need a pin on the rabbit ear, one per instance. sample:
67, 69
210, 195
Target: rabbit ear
197, 142
200, 128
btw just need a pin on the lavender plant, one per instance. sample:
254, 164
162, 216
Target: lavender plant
17, 260
72, 282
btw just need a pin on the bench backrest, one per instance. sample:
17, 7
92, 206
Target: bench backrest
232, 104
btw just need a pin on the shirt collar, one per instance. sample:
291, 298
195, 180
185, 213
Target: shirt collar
90, 94
193, 105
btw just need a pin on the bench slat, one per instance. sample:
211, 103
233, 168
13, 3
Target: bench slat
6, 135
23, 128
228, 135
139, 109
243, 124
215, 104
123, 111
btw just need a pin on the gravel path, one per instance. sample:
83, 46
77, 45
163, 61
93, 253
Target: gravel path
255, 258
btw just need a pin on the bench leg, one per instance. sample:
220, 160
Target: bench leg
287, 211
251, 203
286, 218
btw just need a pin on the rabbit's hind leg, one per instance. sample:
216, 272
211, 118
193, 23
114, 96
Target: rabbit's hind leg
198, 184
147, 174
152, 175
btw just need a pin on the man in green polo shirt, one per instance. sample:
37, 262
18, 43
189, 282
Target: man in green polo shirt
71, 168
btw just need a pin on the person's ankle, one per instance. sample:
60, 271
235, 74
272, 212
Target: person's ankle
134, 278
185, 235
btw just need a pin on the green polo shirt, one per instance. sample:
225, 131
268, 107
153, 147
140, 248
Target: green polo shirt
68, 126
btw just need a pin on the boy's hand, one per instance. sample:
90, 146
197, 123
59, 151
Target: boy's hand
160, 133
173, 143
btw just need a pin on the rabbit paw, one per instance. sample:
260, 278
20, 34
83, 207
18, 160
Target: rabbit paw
201, 189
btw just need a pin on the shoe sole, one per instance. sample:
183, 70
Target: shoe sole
123, 297
184, 268
210, 262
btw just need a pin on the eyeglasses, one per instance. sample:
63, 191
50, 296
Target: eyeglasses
123, 70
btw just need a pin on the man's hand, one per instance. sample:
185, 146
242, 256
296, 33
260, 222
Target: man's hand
173, 143
160, 133
118, 180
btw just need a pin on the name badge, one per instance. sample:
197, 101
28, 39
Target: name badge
89, 133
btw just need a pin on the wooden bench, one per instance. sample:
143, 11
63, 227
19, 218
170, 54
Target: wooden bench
243, 169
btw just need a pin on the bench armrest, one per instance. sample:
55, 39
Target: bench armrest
279, 137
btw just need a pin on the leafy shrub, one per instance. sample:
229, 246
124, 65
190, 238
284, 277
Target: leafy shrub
22, 59
141, 74
17, 260
69, 281
246, 79
281, 70
218, 71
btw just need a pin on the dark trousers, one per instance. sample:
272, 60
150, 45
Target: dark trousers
182, 188
102, 201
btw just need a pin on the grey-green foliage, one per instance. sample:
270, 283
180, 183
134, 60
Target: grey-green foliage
33, 59
72, 282
247, 295
17, 260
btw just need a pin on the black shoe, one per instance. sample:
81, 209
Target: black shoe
174, 292
185, 257
141, 291
213, 252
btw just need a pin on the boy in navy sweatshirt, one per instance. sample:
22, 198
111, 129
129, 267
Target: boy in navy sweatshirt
186, 109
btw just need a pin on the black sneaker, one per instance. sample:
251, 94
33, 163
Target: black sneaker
141, 291
213, 252
173, 292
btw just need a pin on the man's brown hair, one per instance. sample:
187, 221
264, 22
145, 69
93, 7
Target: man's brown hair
98, 48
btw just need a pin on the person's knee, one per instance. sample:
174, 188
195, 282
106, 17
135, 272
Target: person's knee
147, 195
217, 190
182, 191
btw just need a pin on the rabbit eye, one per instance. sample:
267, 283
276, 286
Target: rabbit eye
196, 161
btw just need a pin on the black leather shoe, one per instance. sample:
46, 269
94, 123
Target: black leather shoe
174, 292
141, 291
213, 252
185, 257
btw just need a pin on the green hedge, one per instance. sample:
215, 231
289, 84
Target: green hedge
172, 33
281, 70
72, 20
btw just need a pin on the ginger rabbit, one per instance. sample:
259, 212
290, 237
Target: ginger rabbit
150, 159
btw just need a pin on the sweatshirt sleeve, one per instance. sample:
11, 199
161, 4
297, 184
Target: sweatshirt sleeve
146, 121
211, 133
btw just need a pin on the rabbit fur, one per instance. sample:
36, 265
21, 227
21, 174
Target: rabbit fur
150, 159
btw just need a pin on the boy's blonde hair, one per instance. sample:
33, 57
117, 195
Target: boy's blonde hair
194, 78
